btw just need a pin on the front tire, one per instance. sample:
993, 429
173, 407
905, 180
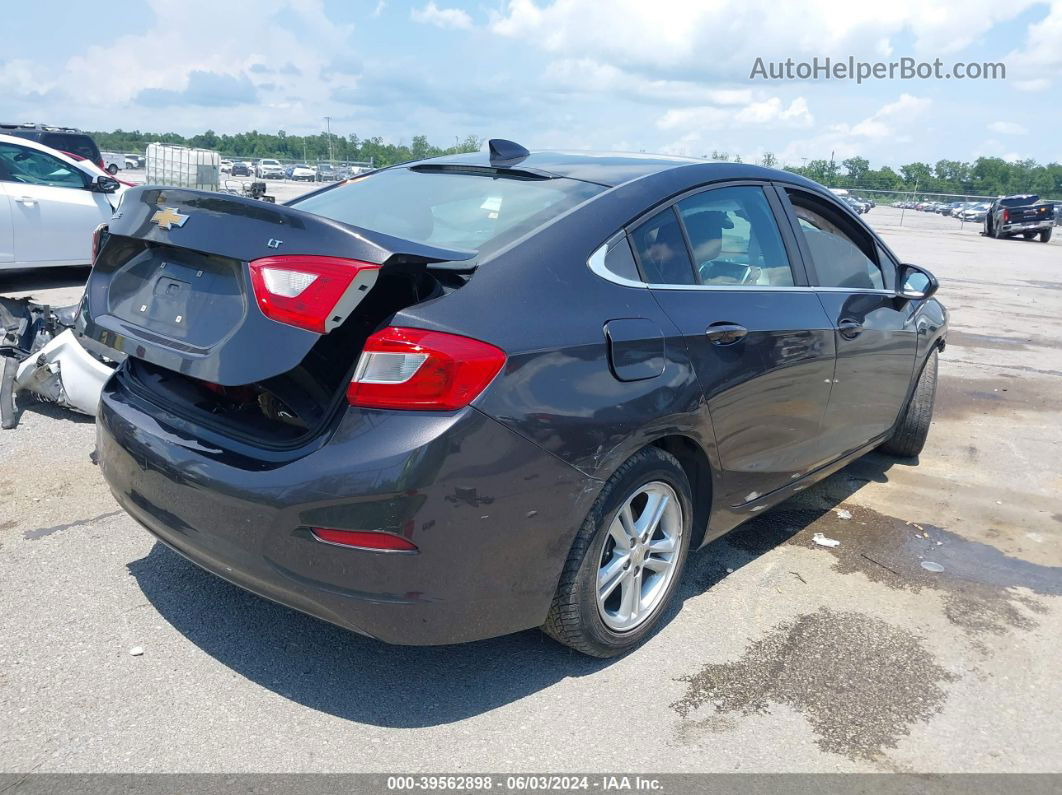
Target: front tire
910, 435
627, 559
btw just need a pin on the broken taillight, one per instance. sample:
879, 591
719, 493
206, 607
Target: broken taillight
406, 368
97, 236
311, 292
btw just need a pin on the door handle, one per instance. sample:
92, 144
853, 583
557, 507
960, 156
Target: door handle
26, 200
850, 329
725, 333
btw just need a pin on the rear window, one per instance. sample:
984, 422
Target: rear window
447, 208
1019, 201
68, 142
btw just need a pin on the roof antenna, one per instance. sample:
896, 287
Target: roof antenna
506, 153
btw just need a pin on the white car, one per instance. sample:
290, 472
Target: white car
304, 172
226, 166
49, 205
268, 168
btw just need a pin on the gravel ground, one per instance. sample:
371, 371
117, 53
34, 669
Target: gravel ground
781, 655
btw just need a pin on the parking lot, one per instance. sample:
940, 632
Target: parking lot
853, 658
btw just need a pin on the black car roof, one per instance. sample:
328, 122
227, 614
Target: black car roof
616, 168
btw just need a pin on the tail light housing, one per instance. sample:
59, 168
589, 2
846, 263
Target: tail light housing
364, 539
310, 292
1006, 216
406, 368
97, 239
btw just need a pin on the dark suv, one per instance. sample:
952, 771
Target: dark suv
65, 139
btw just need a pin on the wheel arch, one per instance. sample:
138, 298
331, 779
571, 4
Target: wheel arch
697, 466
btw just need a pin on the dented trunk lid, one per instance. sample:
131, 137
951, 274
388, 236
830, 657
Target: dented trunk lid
171, 284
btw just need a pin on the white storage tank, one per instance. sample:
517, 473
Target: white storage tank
182, 167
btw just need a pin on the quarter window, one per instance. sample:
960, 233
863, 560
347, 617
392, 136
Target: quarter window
735, 239
662, 250
31, 167
840, 259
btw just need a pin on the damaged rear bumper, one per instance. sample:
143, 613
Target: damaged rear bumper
492, 515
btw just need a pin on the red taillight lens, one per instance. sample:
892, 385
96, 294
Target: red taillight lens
1006, 216
97, 236
364, 539
408, 368
314, 293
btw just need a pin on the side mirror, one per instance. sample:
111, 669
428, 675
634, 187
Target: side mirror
105, 185
915, 283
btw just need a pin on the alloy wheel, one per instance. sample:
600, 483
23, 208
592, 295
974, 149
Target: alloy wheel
639, 556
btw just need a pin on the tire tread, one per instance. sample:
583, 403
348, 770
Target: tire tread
910, 435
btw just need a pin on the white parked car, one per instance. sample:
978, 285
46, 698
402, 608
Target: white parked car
268, 168
226, 166
49, 205
304, 172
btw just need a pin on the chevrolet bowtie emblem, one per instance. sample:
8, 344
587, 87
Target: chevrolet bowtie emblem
168, 217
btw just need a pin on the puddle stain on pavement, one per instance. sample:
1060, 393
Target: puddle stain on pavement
859, 681
976, 580
963, 397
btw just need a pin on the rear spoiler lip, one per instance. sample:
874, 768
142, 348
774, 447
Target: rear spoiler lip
139, 204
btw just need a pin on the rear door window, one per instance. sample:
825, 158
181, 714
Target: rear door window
735, 239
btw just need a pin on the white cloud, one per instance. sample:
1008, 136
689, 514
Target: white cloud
1007, 128
99, 87
692, 37
891, 124
884, 122
449, 18
594, 77
1040, 56
770, 111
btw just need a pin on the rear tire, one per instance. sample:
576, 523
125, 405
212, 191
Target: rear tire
910, 435
1045, 235
643, 567
112, 169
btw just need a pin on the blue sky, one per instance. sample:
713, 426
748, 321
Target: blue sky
666, 75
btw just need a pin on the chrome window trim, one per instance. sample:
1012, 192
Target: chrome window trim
597, 265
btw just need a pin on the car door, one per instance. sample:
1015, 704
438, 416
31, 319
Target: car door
855, 279
7, 246
730, 278
52, 211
